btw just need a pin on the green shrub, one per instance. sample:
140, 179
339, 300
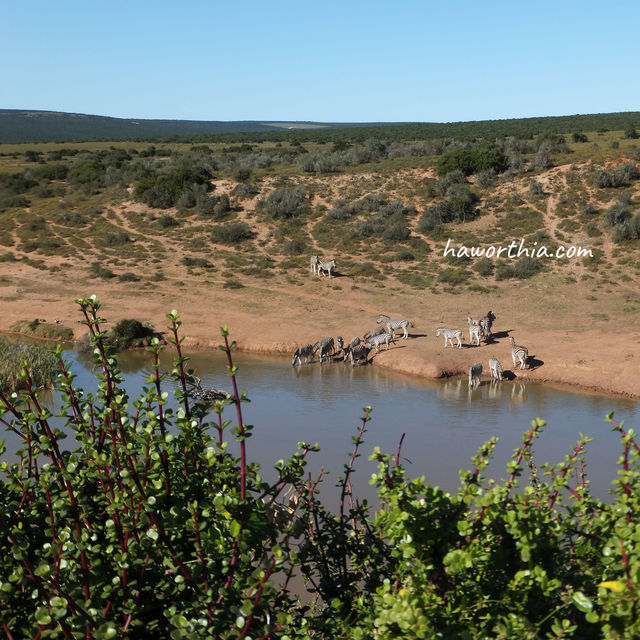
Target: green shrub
232, 283
115, 239
98, 270
127, 276
231, 233
484, 267
162, 190
479, 158
201, 263
398, 232
364, 270
340, 210
453, 275
404, 255
523, 268
285, 204
166, 222
129, 333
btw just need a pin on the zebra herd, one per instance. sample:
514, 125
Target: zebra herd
480, 330
358, 349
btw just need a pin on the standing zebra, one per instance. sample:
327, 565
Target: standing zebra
326, 265
475, 330
314, 263
450, 334
486, 323
305, 352
325, 346
392, 325
475, 373
518, 352
376, 341
496, 369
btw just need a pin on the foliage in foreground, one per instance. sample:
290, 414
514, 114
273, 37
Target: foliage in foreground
150, 524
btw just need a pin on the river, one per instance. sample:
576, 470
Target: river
443, 422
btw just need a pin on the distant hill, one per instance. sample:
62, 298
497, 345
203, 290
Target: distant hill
17, 126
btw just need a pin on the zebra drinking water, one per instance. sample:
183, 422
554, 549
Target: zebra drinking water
475, 373
495, 369
305, 352
325, 346
383, 338
347, 348
392, 325
358, 354
326, 265
450, 334
518, 352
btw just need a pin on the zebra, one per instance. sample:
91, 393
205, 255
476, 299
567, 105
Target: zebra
359, 353
305, 352
475, 330
326, 265
392, 325
314, 263
475, 373
347, 348
450, 334
496, 369
518, 352
339, 344
374, 332
325, 346
486, 323
383, 338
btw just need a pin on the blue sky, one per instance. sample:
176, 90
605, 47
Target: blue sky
357, 61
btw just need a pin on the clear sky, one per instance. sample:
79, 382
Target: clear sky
347, 61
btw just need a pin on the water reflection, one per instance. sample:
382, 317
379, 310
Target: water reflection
445, 423
459, 390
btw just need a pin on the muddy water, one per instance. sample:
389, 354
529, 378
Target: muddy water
444, 424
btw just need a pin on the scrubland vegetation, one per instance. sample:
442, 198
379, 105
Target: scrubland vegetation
384, 207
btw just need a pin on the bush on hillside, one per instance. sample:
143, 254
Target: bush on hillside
481, 157
285, 204
231, 233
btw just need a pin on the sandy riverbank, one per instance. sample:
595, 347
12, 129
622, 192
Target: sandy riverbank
569, 336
